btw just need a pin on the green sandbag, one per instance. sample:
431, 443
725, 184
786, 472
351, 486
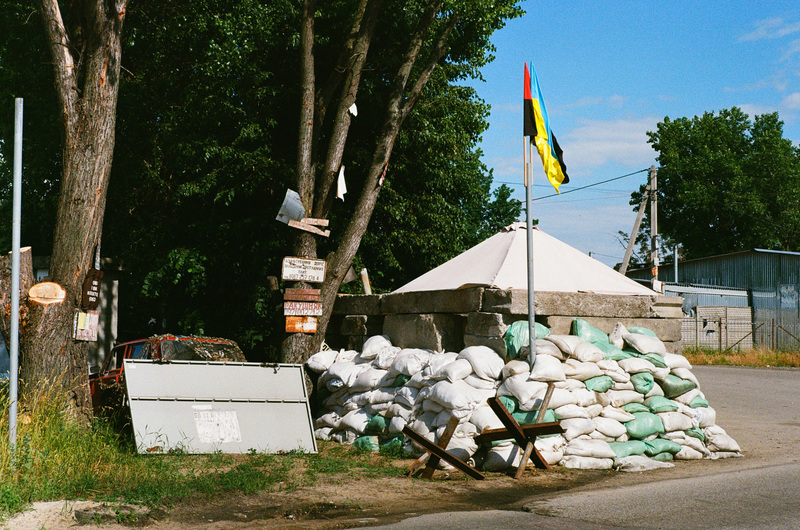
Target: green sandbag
645, 424
643, 382
674, 386
631, 447
656, 359
510, 403
635, 407
661, 445
611, 351
393, 445
528, 417
400, 380
588, 333
696, 432
658, 404
642, 331
517, 336
376, 425
698, 402
367, 443
600, 383
663, 457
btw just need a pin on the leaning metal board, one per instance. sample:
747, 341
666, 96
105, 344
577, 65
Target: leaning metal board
205, 407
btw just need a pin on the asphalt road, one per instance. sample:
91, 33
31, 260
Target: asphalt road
758, 407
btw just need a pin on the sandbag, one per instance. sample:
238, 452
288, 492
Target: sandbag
484, 418
643, 382
355, 420
575, 369
587, 332
410, 361
612, 369
609, 427
386, 357
515, 367
528, 417
547, 368
384, 394
545, 347
685, 373
481, 384
502, 457
631, 447
616, 413
485, 362
661, 445
575, 427
592, 448
570, 411
586, 462
588, 353
635, 463
367, 443
675, 421
688, 453
522, 388
599, 384
565, 343
645, 343
615, 337
656, 359
454, 371
321, 361
438, 361
618, 398
674, 386
517, 336
640, 330
676, 360
374, 345
718, 440
643, 425
658, 404
368, 379
635, 365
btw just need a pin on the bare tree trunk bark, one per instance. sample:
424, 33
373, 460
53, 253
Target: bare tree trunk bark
86, 62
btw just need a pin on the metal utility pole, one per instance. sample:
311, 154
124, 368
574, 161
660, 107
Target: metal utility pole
654, 225
15, 273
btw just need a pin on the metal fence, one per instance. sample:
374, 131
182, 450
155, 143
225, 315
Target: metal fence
736, 328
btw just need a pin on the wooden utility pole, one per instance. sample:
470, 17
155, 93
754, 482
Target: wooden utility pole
634, 232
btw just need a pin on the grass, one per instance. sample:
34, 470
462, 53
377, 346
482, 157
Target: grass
757, 357
60, 458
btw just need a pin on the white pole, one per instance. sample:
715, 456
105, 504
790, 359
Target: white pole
529, 219
15, 243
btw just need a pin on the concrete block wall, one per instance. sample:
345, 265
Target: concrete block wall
451, 320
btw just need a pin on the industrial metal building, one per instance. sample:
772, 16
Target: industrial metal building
743, 299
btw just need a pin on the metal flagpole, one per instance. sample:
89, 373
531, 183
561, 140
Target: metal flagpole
15, 266
529, 231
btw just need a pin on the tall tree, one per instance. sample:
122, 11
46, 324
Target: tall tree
409, 43
85, 51
726, 183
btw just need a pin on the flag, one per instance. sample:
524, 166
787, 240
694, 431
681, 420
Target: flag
537, 126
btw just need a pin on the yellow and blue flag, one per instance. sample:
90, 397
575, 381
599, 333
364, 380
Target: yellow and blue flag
537, 126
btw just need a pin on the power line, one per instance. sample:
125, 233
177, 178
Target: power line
592, 185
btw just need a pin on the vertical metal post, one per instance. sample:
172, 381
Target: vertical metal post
15, 266
529, 231
654, 222
675, 262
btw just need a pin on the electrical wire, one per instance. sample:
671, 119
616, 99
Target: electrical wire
591, 185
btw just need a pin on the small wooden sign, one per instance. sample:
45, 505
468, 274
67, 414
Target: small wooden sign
85, 325
301, 295
301, 324
310, 309
303, 269
90, 295
302, 225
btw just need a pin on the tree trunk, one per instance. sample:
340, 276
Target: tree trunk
86, 61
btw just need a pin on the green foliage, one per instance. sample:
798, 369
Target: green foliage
727, 183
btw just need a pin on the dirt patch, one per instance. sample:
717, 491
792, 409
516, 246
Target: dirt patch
333, 502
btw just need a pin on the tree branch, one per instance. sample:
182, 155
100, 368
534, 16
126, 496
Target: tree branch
63, 64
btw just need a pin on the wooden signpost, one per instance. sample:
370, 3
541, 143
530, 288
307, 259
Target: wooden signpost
303, 269
302, 306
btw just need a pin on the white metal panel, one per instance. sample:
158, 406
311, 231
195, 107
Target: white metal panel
203, 407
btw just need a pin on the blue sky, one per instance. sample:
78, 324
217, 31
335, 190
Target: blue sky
609, 72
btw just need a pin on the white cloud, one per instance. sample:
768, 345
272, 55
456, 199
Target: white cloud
791, 102
619, 141
777, 81
792, 50
754, 109
771, 28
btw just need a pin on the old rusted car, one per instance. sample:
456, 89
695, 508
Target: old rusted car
107, 386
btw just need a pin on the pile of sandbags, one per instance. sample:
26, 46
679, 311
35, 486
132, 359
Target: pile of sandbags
623, 401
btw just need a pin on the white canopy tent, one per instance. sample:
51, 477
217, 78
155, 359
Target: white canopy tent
501, 262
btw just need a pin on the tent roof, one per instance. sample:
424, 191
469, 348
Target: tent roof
500, 262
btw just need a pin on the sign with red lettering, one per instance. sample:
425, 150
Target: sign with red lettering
311, 309
301, 295
301, 324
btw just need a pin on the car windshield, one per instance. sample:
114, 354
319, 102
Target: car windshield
200, 350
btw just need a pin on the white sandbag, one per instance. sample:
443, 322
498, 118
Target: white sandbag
645, 343
553, 458
429, 405
627, 385
515, 367
688, 453
718, 455
462, 448
376, 408
569, 384
424, 423
410, 361
685, 373
687, 397
609, 426
355, 420
485, 362
635, 365
456, 396
565, 343
636, 463
329, 419
547, 368
369, 379
717, 440
386, 357
616, 335
589, 447
321, 361
655, 391
618, 398
676, 360
560, 397
323, 433
522, 388
454, 371
482, 384
575, 427
358, 399
616, 413
586, 462
705, 416
502, 457
374, 345
584, 397
397, 410
438, 361
675, 421
418, 380
397, 424
593, 410
575, 369
465, 429
588, 353
545, 347
407, 396
442, 419
570, 411
484, 418
611, 368
550, 443
346, 371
